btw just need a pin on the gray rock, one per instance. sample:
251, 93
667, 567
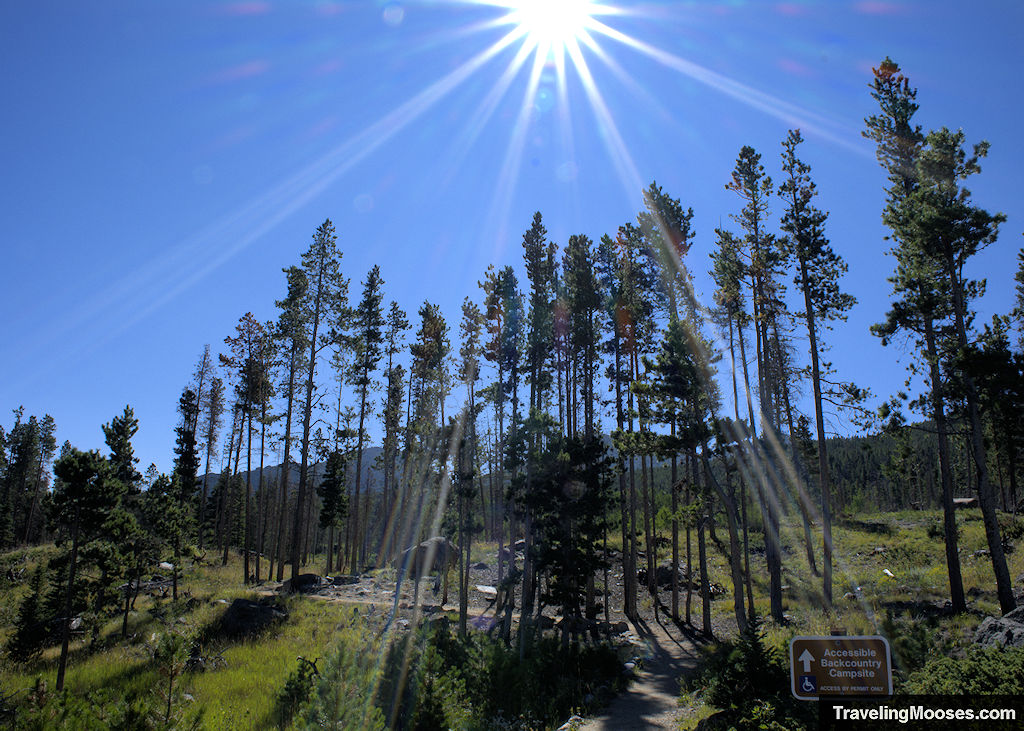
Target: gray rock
1007, 631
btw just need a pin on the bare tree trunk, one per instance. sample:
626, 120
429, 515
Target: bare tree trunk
956, 585
986, 496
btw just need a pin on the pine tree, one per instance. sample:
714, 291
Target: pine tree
397, 323
183, 481
818, 271
668, 237
466, 487
292, 334
333, 492
754, 188
366, 345
118, 435
728, 272
323, 301
23, 448
46, 442
940, 214
213, 411
922, 307
85, 494
31, 629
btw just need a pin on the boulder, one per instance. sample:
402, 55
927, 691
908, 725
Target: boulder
245, 617
303, 583
1007, 630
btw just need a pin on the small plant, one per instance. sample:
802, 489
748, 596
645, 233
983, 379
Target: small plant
297, 690
170, 655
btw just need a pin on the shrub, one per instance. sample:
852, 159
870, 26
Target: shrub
750, 683
982, 671
1011, 529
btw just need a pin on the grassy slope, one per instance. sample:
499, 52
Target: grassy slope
241, 694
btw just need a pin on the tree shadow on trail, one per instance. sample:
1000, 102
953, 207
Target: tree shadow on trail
669, 653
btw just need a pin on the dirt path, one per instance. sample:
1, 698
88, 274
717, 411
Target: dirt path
652, 701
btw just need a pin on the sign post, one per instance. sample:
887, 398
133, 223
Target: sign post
839, 666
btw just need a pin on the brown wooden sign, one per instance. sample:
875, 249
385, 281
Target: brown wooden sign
839, 666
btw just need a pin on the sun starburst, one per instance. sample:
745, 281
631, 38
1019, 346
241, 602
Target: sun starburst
551, 25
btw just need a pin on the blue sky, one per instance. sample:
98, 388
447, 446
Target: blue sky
163, 161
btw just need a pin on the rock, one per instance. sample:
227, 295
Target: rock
620, 628
1007, 630
487, 590
483, 624
165, 566
480, 566
574, 722
245, 617
303, 583
343, 580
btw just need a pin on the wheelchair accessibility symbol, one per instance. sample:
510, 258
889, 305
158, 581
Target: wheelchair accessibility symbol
808, 684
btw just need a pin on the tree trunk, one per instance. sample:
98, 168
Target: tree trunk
66, 635
956, 585
728, 498
986, 497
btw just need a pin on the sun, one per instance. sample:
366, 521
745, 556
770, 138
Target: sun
552, 24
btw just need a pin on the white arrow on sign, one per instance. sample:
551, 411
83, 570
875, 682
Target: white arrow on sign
806, 658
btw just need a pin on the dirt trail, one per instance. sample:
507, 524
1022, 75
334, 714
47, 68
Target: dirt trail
652, 700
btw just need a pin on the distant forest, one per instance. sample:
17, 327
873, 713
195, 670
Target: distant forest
579, 411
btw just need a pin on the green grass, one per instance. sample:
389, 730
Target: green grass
240, 695
243, 694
